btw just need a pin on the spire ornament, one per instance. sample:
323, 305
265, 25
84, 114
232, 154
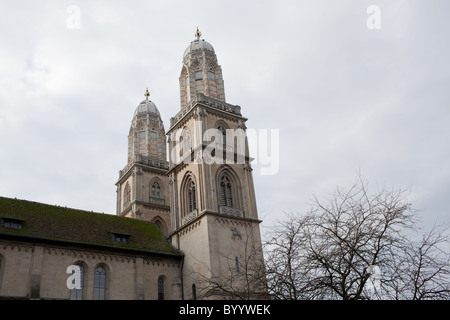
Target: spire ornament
198, 34
147, 94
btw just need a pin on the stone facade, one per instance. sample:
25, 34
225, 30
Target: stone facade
38, 271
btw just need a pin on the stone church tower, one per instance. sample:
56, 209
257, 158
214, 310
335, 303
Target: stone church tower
214, 219
142, 188
203, 199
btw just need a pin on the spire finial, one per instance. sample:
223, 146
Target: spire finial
198, 34
147, 94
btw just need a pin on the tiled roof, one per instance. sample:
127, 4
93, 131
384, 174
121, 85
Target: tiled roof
77, 227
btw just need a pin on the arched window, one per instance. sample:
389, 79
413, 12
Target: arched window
161, 288
99, 283
156, 190
188, 198
229, 197
160, 224
77, 294
226, 192
127, 195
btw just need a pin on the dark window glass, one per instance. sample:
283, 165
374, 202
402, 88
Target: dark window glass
124, 238
11, 223
99, 283
160, 288
226, 192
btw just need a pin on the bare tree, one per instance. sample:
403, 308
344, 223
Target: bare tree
354, 247
287, 275
423, 272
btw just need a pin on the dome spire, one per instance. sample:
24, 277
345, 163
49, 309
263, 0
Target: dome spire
146, 94
198, 34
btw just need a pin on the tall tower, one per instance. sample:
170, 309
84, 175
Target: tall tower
143, 188
214, 219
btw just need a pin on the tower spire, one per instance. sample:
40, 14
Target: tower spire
147, 94
198, 34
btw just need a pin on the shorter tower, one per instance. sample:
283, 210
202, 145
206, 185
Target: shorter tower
143, 188
200, 74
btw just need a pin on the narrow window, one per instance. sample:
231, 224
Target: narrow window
223, 196
99, 283
161, 288
211, 75
192, 198
226, 192
159, 225
229, 198
237, 264
77, 294
127, 195
198, 75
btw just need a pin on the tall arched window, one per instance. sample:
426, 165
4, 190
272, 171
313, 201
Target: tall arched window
77, 294
99, 283
229, 197
161, 288
188, 198
127, 195
226, 192
156, 190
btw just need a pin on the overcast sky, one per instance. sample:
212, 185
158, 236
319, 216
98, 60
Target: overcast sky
345, 98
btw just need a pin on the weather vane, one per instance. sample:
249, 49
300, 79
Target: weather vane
198, 34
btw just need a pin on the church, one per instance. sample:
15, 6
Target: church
186, 225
